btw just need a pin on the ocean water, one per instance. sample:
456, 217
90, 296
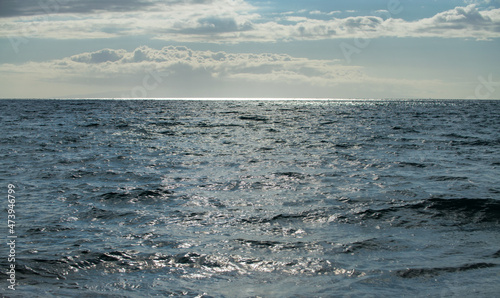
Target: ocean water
252, 198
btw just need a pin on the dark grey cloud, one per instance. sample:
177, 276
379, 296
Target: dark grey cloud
105, 55
13, 8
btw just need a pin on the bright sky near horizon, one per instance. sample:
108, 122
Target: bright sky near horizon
250, 48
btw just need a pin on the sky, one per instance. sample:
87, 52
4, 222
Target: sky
443, 49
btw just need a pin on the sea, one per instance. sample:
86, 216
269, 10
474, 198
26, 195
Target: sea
250, 198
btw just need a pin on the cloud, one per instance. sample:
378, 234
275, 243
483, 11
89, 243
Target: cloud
16, 8
231, 21
181, 71
108, 63
190, 20
477, 2
13, 8
316, 12
468, 22
105, 55
460, 22
215, 25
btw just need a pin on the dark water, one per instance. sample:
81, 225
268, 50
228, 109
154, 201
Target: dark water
253, 198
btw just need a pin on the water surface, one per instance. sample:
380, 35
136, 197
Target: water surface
253, 198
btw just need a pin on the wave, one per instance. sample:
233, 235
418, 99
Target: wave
456, 211
97, 213
412, 164
256, 118
136, 195
477, 143
192, 263
293, 175
48, 229
448, 178
305, 216
431, 272
168, 123
432, 211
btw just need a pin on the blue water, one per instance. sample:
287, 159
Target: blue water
252, 198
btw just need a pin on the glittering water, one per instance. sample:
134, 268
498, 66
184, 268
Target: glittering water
253, 198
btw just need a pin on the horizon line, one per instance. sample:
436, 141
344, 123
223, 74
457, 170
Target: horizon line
243, 98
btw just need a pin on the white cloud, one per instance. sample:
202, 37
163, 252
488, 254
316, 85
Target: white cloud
234, 21
461, 22
180, 71
109, 63
168, 20
316, 12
